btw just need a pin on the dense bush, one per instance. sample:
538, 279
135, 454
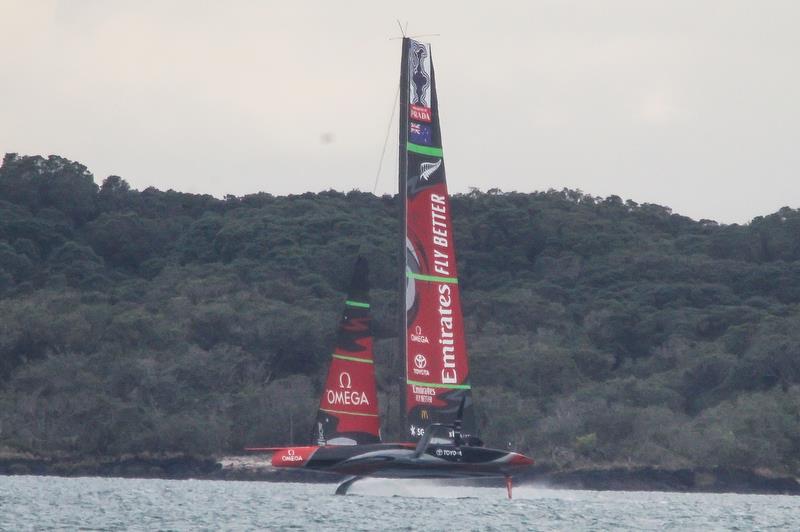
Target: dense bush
599, 330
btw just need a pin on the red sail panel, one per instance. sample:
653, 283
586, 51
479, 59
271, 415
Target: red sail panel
437, 371
348, 408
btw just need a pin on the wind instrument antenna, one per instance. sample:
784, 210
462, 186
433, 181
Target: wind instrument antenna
404, 32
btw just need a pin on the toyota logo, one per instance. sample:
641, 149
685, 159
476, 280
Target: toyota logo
420, 361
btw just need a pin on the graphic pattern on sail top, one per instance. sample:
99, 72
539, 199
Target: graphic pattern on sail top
348, 408
437, 372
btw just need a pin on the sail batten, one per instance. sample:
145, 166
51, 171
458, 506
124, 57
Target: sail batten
441, 385
434, 347
431, 278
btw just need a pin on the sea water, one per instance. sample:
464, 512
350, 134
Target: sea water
46, 503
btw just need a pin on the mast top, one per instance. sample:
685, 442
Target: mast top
404, 33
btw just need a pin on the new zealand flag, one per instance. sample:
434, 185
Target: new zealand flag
420, 134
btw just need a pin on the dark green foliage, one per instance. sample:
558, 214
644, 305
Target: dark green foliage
38, 183
599, 330
125, 240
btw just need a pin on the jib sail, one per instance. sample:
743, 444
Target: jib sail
437, 372
348, 409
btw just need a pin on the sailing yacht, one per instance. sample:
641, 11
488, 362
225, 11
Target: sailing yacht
442, 437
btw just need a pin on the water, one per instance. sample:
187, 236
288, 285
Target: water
36, 503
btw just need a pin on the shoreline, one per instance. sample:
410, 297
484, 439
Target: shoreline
257, 468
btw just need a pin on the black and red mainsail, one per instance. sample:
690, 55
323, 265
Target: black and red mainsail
348, 408
437, 372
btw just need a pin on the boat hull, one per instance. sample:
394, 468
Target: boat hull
399, 460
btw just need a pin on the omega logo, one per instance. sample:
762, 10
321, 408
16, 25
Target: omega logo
291, 457
418, 337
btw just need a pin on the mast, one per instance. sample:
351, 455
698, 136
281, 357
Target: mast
403, 165
433, 343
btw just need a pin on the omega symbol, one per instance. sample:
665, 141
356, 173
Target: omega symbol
345, 381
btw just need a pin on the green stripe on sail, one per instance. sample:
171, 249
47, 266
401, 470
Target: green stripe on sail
434, 278
349, 413
441, 385
358, 304
424, 150
353, 359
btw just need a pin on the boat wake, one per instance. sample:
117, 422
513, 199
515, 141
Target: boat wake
442, 489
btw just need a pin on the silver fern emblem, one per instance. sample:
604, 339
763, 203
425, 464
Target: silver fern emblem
427, 169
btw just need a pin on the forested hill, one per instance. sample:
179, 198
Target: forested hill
600, 331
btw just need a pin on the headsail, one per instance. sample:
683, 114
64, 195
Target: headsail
348, 409
437, 372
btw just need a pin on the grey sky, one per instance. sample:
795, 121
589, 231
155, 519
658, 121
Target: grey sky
689, 104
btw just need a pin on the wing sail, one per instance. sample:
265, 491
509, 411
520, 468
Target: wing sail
437, 371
